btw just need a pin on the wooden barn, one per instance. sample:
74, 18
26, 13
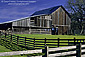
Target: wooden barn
44, 22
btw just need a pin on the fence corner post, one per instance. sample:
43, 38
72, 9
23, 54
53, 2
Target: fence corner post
45, 51
78, 50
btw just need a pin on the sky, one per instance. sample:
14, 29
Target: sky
16, 9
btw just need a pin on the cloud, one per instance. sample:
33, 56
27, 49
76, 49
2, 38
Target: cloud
32, 1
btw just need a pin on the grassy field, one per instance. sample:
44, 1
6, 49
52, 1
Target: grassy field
42, 36
4, 49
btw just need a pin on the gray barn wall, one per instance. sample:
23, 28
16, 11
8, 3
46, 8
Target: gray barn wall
22, 23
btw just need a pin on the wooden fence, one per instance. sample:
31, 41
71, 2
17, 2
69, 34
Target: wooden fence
73, 51
34, 43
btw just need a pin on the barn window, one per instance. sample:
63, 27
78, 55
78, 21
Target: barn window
38, 22
35, 21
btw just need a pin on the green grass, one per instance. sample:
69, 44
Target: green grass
4, 49
42, 36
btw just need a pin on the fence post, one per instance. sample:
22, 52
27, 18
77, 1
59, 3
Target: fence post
45, 42
58, 42
83, 41
45, 51
17, 40
25, 41
69, 42
78, 50
74, 41
34, 43
77, 40
0, 34
0, 37
5, 36
80, 40
11, 39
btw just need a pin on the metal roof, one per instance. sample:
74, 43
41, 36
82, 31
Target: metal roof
37, 13
2, 21
46, 11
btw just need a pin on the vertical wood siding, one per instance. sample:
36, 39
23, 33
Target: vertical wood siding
22, 23
60, 17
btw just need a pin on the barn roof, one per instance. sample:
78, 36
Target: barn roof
2, 21
37, 13
46, 11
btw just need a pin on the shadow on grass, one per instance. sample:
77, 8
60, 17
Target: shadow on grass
13, 46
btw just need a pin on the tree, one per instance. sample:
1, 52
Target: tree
77, 11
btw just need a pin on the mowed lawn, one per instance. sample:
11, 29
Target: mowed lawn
4, 49
42, 36
50, 44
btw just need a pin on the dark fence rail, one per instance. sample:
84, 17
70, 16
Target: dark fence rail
34, 43
79, 51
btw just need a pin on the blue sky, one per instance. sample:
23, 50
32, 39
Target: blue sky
9, 11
